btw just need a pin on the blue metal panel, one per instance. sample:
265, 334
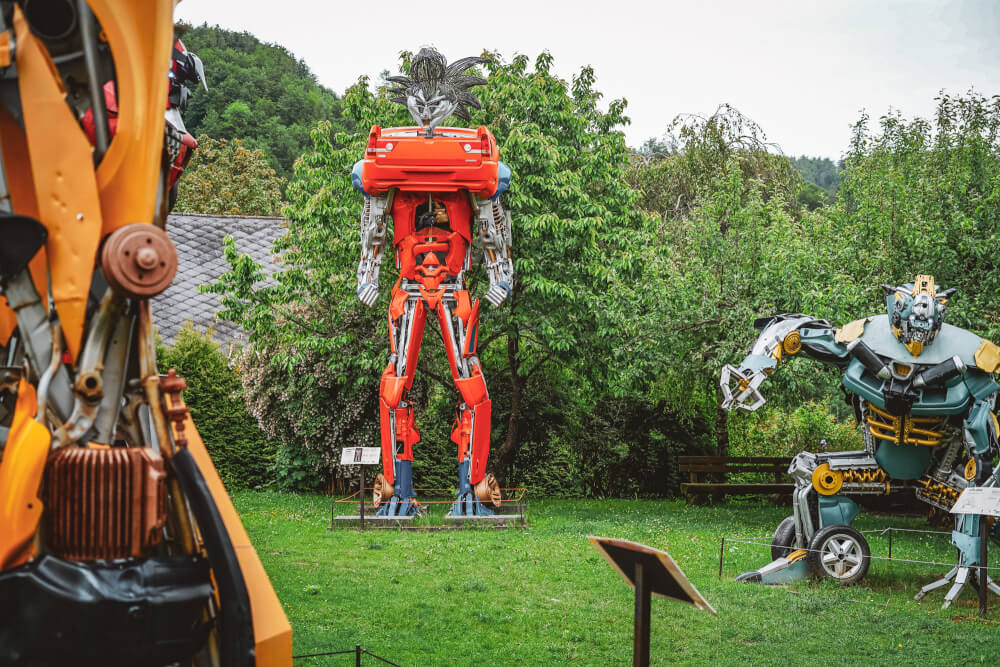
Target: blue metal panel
836, 510
950, 341
903, 461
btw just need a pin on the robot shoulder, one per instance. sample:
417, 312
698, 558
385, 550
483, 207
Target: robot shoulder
851, 330
987, 356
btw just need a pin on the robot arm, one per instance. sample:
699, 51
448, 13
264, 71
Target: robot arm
494, 234
372, 247
779, 335
981, 433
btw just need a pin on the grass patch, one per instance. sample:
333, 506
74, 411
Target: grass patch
543, 595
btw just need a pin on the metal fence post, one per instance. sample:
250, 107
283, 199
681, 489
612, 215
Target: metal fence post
357, 655
361, 494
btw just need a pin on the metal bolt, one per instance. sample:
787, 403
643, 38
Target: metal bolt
79, 216
146, 258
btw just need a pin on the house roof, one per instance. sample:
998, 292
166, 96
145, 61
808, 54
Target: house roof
198, 239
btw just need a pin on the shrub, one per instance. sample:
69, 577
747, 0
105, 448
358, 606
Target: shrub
778, 432
241, 453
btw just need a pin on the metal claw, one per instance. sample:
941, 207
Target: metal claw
739, 398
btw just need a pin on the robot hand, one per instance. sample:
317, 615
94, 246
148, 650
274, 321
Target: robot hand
368, 293
745, 394
498, 293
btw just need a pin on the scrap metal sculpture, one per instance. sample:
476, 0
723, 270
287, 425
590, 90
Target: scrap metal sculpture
441, 187
118, 542
923, 392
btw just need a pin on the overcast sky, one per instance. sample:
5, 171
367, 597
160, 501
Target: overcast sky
801, 69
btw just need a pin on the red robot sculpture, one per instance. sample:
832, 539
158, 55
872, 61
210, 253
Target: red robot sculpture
186, 69
441, 187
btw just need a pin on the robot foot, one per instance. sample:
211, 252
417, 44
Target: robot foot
957, 578
396, 506
468, 505
781, 571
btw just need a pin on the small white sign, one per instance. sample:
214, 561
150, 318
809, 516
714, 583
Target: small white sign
360, 456
978, 500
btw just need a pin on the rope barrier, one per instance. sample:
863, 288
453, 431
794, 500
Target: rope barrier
357, 651
521, 492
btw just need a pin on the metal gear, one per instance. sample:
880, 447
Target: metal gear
139, 260
381, 490
488, 491
827, 481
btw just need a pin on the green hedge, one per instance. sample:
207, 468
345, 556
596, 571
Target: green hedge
241, 453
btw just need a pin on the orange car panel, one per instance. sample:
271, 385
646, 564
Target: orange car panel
401, 157
17, 167
21, 470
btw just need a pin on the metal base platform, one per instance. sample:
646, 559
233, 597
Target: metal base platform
371, 520
492, 519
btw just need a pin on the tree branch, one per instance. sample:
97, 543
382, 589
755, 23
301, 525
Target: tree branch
537, 365
699, 323
304, 325
422, 367
483, 344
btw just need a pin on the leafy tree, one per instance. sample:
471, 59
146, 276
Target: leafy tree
579, 243
812, 196
673, 182
258, 93
241, 453
820, 171
921, 196
731, 249
226, 178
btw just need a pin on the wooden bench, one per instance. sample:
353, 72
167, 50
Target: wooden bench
715, 467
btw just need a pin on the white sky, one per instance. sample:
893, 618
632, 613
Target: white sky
801, 69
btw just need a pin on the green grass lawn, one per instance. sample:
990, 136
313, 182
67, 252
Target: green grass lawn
543, 595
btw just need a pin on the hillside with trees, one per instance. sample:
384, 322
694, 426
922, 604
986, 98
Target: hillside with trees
258, 93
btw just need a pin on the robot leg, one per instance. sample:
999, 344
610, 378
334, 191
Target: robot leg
981, 433
393, 493
478, 493
818, 537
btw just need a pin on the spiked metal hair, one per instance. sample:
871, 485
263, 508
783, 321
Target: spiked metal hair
435, 90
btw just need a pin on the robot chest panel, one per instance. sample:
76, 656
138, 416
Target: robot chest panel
899, 396
432, 254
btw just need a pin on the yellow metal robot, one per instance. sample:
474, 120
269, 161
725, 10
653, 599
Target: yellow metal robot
118, 542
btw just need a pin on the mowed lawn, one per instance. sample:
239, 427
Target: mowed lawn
543, 596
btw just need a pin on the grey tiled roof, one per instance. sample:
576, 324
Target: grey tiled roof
198, 239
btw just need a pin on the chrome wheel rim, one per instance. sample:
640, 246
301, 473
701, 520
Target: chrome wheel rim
841, 556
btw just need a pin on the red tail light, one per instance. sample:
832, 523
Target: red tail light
373, 138
484, 142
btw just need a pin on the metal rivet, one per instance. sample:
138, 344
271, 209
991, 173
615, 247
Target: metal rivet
79, 216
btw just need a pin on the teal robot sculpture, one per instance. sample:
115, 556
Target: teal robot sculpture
924, 395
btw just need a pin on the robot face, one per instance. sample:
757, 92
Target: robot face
429, 112
916, 312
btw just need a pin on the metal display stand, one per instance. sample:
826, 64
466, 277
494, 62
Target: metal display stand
650, 572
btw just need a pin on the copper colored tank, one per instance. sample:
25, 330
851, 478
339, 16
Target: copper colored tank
104, 503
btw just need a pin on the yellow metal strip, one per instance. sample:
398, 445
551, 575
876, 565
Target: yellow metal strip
65, 186
21, 471
272, 632
140, 35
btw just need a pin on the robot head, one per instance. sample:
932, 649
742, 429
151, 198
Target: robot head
916, 312
186, 69
435, 90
